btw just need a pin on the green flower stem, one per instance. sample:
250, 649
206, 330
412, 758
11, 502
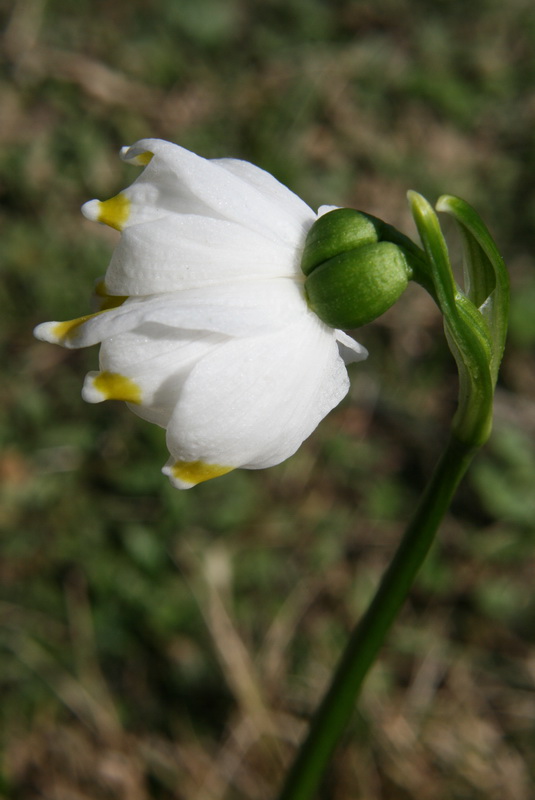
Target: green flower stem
338, 704
476, 325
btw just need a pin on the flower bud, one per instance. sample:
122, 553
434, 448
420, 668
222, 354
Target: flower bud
352, 276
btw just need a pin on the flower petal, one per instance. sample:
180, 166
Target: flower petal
277, 192
63, 333
147, 367
187, 251
253, 402
350, 350
243, 308
187, 183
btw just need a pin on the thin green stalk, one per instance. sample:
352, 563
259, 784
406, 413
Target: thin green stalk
338, 704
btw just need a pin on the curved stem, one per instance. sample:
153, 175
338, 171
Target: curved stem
338, 704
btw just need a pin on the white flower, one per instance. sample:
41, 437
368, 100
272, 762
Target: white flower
204, 327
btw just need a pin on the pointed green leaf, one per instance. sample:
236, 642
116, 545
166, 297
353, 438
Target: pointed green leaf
435, 248
466, 330
487, 281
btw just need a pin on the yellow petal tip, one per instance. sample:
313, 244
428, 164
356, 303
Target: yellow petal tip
144, 158
141, 159
185, 474
64, 332
111, 386
113, 212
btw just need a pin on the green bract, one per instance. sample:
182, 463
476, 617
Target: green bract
352, 276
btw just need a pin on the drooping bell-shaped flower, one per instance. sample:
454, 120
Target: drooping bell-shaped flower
205, 327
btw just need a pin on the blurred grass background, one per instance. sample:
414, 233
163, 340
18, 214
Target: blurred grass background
157, 644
